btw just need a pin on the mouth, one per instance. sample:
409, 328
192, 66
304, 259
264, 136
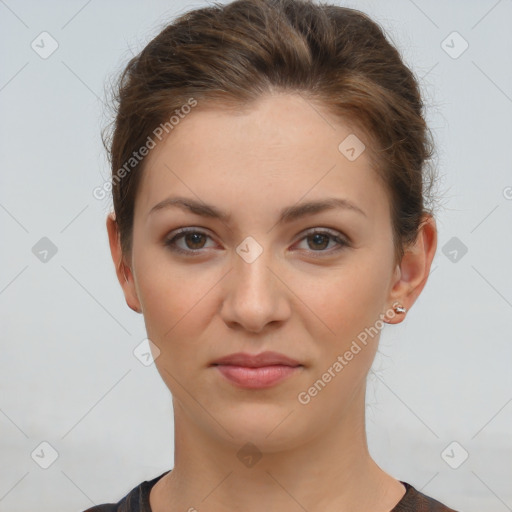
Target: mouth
256, 360
257, 371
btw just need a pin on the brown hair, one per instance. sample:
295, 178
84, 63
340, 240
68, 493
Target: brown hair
232, 54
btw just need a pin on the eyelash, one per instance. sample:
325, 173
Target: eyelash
171, 243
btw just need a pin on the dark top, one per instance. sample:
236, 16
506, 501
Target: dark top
137, 500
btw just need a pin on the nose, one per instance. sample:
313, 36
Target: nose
254, 295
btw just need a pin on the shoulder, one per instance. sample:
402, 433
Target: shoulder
415, 501
107, 507
126, 504
137, 500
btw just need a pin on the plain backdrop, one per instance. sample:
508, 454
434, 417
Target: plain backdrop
75, 398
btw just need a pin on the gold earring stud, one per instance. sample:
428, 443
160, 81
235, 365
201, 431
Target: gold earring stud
399, 309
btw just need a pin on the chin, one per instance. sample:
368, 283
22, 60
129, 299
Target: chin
270, 428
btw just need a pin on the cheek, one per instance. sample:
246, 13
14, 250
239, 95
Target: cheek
345, 299
174, 299
350, 305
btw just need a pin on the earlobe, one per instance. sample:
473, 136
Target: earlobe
414, 270
123, 270
134, 305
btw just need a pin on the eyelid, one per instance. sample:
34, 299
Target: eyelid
322, 230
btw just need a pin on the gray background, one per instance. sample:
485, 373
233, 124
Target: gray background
68, 375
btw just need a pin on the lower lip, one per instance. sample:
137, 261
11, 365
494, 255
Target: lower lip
256, 378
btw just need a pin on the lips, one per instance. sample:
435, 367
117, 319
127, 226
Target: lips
257, 360
257, 371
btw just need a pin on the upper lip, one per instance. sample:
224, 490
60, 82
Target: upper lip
256, 360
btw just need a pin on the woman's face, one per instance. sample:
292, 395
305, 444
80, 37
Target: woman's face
259, 279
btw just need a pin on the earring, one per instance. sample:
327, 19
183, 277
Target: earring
399, 309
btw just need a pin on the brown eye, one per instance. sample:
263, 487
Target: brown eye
188, 242
323, 242
194, 240
318, 241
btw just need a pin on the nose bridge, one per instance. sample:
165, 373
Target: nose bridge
254, 298
254, 278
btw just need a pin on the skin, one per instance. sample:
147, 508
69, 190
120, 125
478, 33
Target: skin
300, 297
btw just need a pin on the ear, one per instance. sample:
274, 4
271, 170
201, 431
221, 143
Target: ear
413, 271
123, 270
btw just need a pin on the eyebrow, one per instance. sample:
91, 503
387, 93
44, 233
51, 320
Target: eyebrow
288, 214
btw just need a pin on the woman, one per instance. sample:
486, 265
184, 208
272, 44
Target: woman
270, 184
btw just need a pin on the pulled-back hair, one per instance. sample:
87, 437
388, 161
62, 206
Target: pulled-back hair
334, 57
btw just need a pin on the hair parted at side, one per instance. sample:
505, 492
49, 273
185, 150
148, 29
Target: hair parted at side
232, 54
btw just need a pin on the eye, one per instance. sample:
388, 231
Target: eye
320, 240
191, 241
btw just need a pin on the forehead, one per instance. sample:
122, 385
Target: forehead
281, 147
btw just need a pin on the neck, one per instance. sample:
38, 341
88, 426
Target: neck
331, 470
